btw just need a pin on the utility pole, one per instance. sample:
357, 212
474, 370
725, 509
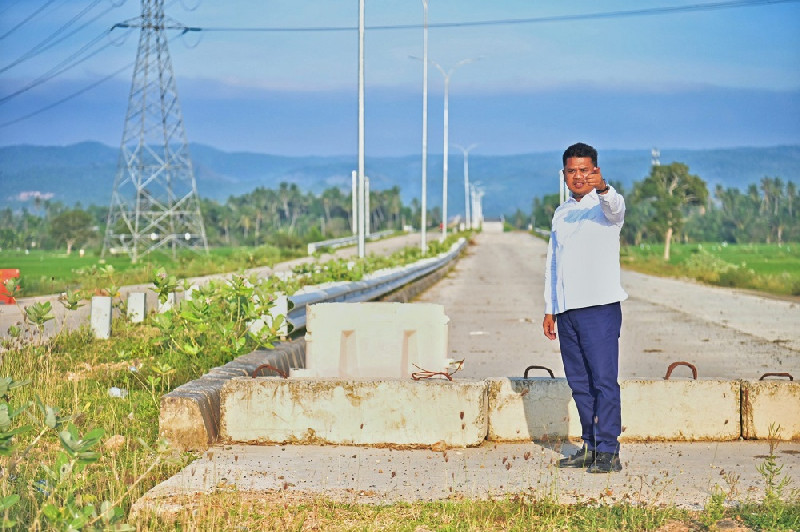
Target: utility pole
446, 154
154, 203
424, 213
361, 185
466, 183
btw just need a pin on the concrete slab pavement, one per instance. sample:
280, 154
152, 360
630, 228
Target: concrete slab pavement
676, 473
493, 298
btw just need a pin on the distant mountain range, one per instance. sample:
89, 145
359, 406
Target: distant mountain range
84, 173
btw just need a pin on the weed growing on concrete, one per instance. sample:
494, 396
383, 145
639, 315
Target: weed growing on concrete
715, 507
780, 509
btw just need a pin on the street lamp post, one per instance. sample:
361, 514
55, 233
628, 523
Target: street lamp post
467, 218
424, 215
477, 205
447, 76
446, 154
361, 224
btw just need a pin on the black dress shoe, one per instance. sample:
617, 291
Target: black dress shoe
605, 463
582, 458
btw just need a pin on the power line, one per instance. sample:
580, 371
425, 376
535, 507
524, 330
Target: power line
26, 19
48, 42
66, 98
666, 10
536, 20
62, 67
70, 96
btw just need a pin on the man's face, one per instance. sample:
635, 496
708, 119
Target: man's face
576, 171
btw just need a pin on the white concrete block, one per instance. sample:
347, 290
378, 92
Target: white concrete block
769, 402
171, 302
374, 340
137, 306
531, 409
542, 408
188, 295
353, 412
101, 316
493, 227
688, 410
280, 308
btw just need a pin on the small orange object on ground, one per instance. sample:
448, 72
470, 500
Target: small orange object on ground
6, 274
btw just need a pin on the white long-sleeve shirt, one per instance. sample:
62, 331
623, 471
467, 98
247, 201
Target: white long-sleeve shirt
582, 267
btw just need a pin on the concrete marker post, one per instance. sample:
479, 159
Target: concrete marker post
169, 304
137, 307
101, 316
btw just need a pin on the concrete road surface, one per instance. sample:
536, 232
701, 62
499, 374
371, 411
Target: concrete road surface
494, 299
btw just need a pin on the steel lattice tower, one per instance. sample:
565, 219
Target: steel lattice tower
154, 204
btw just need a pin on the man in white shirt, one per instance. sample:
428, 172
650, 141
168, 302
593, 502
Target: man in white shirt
583, 294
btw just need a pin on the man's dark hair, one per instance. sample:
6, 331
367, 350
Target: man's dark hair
579, 150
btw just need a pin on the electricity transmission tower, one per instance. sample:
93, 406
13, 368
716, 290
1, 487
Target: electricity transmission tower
154, 204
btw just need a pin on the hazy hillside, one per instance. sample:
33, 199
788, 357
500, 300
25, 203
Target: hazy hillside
85, 172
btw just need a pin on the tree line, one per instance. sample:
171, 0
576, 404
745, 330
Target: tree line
671, 204
285, 217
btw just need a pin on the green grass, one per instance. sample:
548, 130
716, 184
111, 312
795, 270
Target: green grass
764, 267
51, 272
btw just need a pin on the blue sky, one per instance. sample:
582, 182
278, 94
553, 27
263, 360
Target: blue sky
687, 79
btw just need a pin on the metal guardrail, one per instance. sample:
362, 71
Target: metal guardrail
346, 241
371, 287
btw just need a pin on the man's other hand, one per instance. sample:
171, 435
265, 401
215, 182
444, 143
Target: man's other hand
549, 326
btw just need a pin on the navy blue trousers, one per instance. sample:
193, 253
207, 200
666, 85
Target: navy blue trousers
589, 341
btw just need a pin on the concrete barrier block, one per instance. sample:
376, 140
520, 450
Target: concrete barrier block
101, 316
542, 408
768, 402
531, 409
680, 410
354, 412
189, 418
137, 307
189, 415
374, 340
